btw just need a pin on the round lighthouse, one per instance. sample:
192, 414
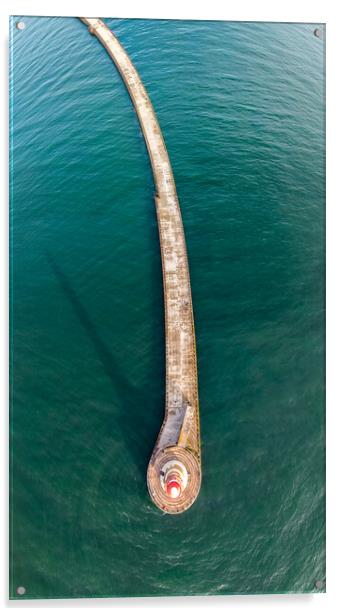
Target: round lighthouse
174, 478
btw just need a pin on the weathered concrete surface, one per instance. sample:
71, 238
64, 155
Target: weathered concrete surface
179, 436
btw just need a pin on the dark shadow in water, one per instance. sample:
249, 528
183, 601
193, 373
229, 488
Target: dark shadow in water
132, 401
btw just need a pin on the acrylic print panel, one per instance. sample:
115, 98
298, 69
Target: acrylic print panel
96, 475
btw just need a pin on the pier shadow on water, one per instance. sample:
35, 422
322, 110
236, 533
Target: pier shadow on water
137, 437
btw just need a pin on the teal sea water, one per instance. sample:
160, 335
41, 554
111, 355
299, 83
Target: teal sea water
241, 106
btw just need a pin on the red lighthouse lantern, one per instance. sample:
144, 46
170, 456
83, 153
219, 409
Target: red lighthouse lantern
173, 487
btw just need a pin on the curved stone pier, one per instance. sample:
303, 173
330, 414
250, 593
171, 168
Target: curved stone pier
174, 471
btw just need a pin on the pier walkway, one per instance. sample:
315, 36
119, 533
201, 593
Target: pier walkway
177, 449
